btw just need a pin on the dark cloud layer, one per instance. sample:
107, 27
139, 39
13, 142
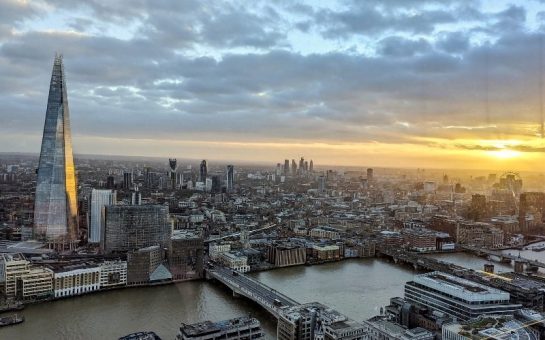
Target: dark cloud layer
225, 70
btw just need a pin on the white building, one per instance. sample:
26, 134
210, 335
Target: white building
99, 199
113, 273
235, 262
76, 280
215, 250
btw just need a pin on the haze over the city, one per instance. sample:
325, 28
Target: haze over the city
381, 83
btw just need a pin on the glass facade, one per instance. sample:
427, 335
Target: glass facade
55, 207
131, 227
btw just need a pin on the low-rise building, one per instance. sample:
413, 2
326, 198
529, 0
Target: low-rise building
489, 327
235, 261
316, 321
286, 254
233, 329
460, 298
380, 328
113, 274
76, 280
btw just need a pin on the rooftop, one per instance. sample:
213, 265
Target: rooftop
460, 288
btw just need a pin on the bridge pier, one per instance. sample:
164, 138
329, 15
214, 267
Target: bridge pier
235, 294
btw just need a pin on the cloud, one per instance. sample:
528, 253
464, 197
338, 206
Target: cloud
218, 71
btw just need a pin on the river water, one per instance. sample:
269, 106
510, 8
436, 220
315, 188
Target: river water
357, 288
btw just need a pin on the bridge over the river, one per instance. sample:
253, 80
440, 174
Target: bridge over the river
270, 299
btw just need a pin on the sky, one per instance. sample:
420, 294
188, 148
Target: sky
391, 83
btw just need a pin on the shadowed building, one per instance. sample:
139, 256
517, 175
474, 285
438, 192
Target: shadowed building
55, 208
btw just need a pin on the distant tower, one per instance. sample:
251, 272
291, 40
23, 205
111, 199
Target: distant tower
311, 167
99, 199
110, 182
369, 175
55, 206
286, 167
306, 166
293, 167
245, 238
127, 180
203, 171
230, 178
301, 165
136, 198
172, 172
321, 184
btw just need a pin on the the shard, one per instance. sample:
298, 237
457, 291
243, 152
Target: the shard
55, 208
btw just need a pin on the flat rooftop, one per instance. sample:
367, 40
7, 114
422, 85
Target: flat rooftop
460, 288
209, 327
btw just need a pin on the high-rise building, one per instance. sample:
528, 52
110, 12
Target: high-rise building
293, 167
55, 207
172, 172
215, 184
311, 166
130, 227
110, 182
127, 180
369, 175
99, 199
230, 178
203, 171
301, 165
321, 184
136, 198
286, 167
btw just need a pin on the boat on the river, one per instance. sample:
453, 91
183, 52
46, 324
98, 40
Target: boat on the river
11, 320
540, 247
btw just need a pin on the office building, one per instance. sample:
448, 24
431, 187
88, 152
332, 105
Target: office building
311, 166
230, 178
76, 279
172, 172
490, 327
130, 227
314, 320
369, 175
20, 280
55, 206
381, 328
110, 182
136, 198
286, 167
127, 180
113, 274
145, 266
186, 254
286, 254
460, 298
203, 171
233, 329
99, 199
301, 166
293, 167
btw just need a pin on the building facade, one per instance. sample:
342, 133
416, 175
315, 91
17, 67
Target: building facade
55, 207
99, 199
131, 227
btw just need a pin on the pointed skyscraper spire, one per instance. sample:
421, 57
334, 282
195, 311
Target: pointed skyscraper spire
55, 207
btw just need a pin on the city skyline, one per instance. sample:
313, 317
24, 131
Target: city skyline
305, 79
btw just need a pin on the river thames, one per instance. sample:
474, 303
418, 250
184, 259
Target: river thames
357, 288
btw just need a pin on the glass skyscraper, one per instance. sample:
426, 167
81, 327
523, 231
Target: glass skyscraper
55, 207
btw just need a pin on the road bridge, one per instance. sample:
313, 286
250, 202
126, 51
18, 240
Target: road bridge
243, 285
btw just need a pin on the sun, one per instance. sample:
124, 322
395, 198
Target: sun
505, 153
